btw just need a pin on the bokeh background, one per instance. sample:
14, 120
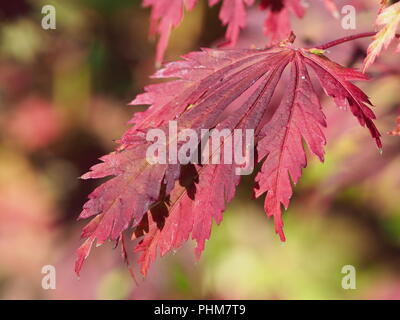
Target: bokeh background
63, 102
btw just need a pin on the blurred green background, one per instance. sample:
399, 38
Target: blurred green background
63, 103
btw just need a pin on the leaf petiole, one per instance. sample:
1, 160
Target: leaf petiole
347, 39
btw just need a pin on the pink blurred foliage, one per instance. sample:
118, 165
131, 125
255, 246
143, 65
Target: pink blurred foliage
385, 290
34, 123
396, 131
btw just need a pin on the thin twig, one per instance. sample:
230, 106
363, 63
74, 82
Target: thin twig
347, 39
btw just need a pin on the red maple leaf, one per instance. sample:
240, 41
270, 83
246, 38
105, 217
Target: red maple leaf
167, 203
233, 14
167, 14
277, 23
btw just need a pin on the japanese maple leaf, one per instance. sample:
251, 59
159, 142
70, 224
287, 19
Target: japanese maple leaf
164, 205
389, 18
277, 24
233, 14
167, 14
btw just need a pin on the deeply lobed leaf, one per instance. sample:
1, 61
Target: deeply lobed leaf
389, 20
167, 14
216, 89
